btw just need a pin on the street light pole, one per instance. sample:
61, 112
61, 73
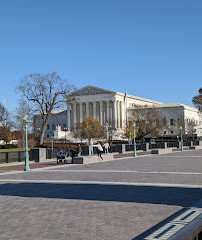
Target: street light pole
51, 146
134, 154
181, 138
27, 168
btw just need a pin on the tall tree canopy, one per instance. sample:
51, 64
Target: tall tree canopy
91, 128
197, 100
45, 92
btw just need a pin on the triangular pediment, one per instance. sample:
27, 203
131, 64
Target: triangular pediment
90, 90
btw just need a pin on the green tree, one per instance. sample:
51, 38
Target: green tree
91, 128
128, 131
197, 100
5, 134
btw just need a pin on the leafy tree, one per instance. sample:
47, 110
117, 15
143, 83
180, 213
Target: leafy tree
197, 100
45, 92
5, 134
128, 131
91, 128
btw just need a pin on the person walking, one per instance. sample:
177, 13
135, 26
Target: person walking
99, 150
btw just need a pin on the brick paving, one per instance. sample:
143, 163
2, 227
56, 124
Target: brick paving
97, 201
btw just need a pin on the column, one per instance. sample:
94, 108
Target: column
107, 118
87, 109
115, 114
101, 113
121, 114
94, 110
74, 109
118, 114
68, 118
81, 112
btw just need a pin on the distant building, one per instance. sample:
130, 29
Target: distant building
112, 109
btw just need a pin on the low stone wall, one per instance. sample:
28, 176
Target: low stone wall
161, 151
92, 159
195, 147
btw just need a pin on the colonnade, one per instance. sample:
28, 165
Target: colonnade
111, 113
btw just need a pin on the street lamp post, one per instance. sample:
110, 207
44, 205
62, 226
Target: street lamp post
134, 154
52, 146
27, 168
181, 138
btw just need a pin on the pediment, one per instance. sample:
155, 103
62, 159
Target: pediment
90, 90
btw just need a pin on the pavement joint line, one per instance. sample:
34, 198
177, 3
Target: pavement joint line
122, 171
104, 183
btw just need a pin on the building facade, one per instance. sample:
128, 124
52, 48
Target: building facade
111, 109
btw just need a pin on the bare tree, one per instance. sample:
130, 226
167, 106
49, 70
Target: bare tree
191, 127
110, 130
197, 100
22, 109
188, 125
45, 92
148, 120
77, 132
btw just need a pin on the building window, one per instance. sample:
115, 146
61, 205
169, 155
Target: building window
171, 122
47, 136
53, 126
47, 126
164, 132
171, 131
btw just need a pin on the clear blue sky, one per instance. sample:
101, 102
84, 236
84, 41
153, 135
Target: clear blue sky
151, 47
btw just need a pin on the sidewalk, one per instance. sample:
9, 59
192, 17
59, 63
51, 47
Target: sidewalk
19, 166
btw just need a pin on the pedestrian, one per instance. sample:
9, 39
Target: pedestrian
99, 150
106, 147
79, 150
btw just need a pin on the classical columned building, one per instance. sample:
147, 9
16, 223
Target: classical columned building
106, 111
107, 107
112, 110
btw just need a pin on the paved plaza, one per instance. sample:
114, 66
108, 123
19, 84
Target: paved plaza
128, 198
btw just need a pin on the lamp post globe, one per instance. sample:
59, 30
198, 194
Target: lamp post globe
27, 168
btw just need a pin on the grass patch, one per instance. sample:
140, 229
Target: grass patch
12, 150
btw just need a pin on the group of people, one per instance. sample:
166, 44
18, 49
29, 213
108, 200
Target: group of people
101, 148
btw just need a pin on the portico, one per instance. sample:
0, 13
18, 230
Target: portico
107, 112
107, 107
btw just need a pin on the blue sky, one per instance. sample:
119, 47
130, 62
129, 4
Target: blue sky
151, 47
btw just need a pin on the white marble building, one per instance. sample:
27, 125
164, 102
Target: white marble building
109, 108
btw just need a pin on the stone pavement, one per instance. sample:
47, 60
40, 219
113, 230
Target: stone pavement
128, 198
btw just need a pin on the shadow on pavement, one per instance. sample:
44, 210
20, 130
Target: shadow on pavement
184, 197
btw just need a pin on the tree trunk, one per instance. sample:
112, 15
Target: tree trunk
44, 128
